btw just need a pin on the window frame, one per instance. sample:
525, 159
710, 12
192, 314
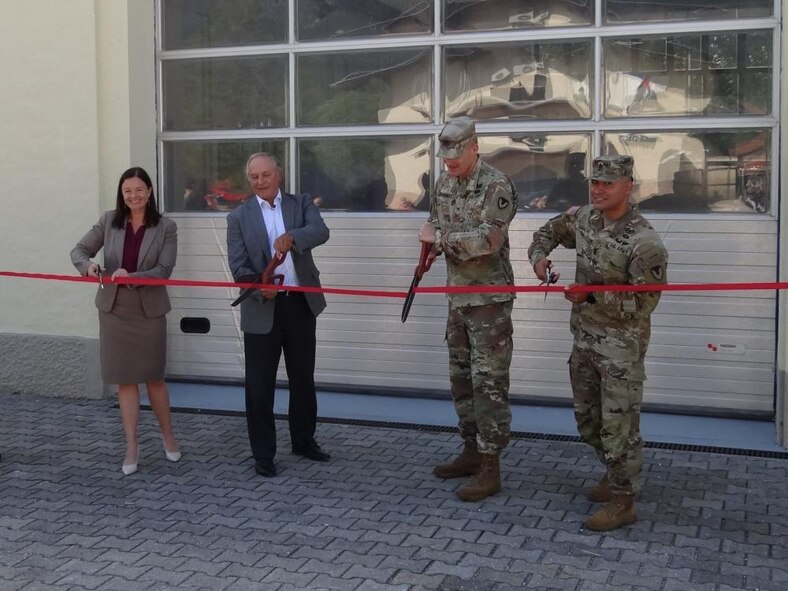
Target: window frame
596, 125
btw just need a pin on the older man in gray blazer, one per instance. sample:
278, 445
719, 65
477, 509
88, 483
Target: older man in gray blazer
274, 321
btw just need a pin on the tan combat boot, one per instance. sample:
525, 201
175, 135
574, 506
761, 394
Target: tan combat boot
487, 482
467, 463
600, 492
619, 511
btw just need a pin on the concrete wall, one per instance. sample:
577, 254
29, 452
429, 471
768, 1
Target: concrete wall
67, 134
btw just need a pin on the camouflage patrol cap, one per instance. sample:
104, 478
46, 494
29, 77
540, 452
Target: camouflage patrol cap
611, 168
455, 137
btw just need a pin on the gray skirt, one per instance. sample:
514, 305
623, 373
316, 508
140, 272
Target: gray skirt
133, 346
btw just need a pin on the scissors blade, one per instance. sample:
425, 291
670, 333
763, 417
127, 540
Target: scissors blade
409, 298
549, 279
245, 293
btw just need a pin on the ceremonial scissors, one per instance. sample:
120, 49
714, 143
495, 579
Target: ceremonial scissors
549, 277
425, 262
267, 277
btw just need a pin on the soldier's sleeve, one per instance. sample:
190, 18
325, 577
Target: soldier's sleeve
647, 265
434, 219
500, 205
558, 231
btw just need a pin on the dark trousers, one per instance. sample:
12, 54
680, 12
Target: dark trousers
294, 333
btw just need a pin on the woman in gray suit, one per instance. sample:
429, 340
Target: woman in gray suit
137, 242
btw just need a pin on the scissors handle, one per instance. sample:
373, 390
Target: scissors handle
425, 262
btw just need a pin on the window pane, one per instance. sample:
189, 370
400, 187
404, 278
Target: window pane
366, 174
190, 24
698, 75
225, 93
549, 170
519, 81
210, 176
698, 171
339, 19
501, 15
364, 88
636, 11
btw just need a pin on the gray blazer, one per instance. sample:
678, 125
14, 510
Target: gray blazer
158, 252
248, 253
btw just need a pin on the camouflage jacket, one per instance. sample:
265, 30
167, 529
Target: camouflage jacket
629, 251
472, 218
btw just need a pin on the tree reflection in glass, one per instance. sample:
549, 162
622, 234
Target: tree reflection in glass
191, 24
209, 176
712, 74
366, 174
341, 19
637, 11
364, 87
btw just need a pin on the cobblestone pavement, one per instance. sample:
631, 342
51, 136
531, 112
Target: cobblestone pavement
374, 518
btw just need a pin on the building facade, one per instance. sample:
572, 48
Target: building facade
350, 96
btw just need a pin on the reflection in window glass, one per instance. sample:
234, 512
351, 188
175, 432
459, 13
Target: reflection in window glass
519, 81
225, 93
210, 176
501, 15
635, 11
189, 24
549, 170
366, 174
369, 87
698, 171
339, 19
700, 75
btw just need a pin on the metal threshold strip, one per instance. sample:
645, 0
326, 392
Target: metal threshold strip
730, 451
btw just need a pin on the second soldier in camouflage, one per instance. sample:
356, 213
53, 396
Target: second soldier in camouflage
615, 245
470, 213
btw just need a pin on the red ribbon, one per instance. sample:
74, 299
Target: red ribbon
763, 286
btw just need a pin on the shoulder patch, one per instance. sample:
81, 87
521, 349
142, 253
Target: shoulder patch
503, 202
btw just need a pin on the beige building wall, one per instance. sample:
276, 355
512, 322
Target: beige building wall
69, 128
782, 313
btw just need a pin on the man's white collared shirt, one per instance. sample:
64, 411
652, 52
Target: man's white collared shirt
275, 227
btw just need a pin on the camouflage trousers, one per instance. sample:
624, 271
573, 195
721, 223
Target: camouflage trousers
607, 396
480, 352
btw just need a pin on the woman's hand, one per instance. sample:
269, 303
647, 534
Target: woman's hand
119, 273
93, 269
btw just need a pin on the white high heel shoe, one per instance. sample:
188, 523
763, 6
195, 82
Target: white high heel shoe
130, 468
172, 456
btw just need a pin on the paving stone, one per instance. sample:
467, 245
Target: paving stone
373, 519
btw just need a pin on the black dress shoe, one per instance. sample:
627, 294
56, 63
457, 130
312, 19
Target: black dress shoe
313, 452
265, 468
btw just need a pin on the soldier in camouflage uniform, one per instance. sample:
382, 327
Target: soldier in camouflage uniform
615, 245
470, 212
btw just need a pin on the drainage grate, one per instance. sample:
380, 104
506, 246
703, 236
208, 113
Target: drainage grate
755, 453
781, 455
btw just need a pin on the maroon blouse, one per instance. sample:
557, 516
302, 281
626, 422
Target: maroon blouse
131, 247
